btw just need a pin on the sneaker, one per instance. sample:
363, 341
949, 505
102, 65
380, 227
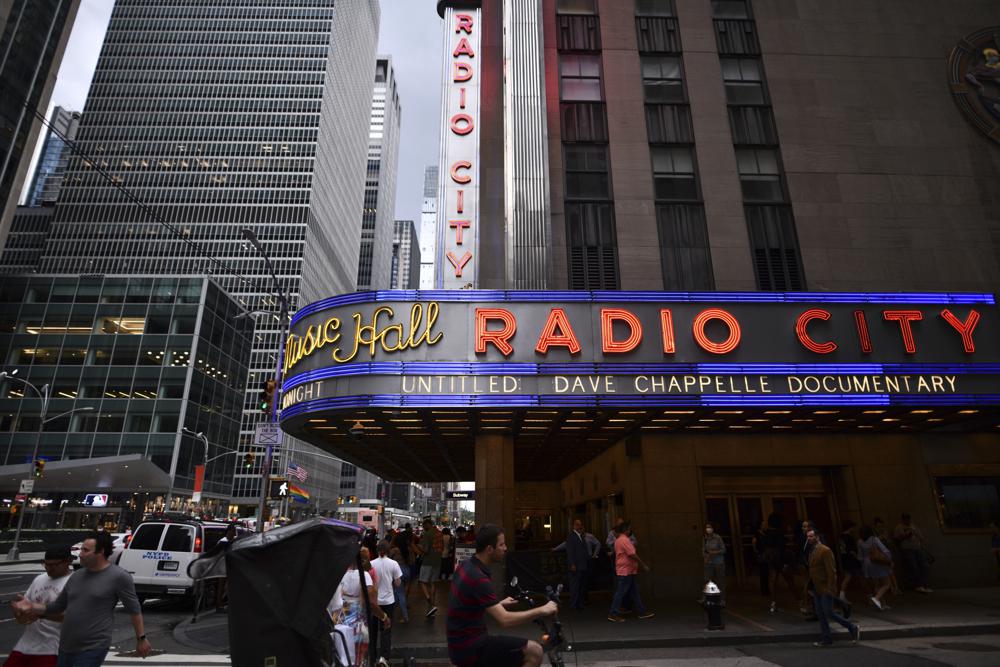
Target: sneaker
647, 614
431, 612
823, 644
875, 601
921, 589
856, 634
615, 619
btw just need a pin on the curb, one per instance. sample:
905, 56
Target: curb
705, 639
721, 638
180, 633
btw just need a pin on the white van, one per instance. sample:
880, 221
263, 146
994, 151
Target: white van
159, 553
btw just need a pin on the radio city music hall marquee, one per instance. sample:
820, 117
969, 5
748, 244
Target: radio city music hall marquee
642, 348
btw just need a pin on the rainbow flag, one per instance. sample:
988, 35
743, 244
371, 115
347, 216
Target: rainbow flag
297, 493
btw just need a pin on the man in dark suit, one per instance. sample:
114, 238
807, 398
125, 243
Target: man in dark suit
577, 563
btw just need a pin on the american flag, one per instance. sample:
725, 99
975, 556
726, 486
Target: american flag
298, 472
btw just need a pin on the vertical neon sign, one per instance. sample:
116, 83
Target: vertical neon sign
458, 198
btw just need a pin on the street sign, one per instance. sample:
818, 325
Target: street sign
27, 486
460, 495
464, 552
20, 498
268, 435
278, 489
196, 497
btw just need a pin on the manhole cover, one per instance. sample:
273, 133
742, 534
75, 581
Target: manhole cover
966, 646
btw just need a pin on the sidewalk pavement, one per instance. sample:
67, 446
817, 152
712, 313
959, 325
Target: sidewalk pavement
28, 562
961, 611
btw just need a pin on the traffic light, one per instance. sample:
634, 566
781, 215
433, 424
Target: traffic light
267, 396
39, 467
248, 460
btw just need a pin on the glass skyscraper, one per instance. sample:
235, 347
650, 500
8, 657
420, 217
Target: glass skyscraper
48, 177
218, 116
380, 181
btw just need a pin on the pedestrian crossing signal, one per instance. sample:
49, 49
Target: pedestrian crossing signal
39, 467
248, 460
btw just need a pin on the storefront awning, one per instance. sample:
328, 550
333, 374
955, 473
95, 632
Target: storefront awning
130, 472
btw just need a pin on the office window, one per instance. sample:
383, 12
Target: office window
760, 174
684, 249
673, 172
743, 80
587, 171
576, 6
777, 264
662, 79
655, 8
580, 78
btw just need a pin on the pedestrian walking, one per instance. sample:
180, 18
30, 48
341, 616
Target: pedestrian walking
447, 554
823, 580
713, 550
388, 576
431, 544
779, 558
399, 592
850, 564
578, 561
805, 550
876, 564
87, 604
881, 531
763, 568
355, 614
627, 564
39, 643
914, 554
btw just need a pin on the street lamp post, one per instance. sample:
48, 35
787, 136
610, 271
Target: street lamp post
249, 235
45, 394
205, 460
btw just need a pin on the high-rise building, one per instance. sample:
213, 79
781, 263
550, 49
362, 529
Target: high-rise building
26, 239
428, 228
380, 181
130, 363
265, 129
51, 169
33, 37
405, 256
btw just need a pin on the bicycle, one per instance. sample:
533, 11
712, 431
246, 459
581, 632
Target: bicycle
553, 640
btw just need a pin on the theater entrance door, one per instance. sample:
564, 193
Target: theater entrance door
737, 504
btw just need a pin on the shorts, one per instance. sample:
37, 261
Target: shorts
18, 659
429, 573
494, 651
501, 651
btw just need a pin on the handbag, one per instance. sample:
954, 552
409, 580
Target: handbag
876, 556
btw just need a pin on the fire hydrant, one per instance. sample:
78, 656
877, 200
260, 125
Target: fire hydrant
713, 607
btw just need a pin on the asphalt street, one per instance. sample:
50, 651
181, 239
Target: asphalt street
160, 617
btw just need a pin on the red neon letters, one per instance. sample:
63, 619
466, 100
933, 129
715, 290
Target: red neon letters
803, 335
621, 330
557, 332
458, 262
707, 344
461, 124
608, 343
904, 317
461, 165
498, 338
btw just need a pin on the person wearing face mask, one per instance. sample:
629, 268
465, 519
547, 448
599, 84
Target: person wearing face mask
713, 551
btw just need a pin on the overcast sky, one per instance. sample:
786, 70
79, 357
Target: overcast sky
410, 33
